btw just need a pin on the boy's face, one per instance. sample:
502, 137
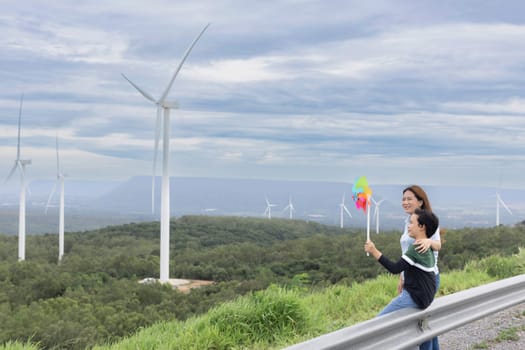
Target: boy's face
413, 226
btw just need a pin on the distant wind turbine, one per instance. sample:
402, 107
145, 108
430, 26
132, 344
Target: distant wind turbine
376, 212
498, 202
268, 210
164, 106
20, 165
344, 209
290, 207
60, 183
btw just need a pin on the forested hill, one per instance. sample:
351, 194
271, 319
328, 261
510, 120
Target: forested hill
212, 231
93, 297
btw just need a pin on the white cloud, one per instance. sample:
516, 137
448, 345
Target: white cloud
514, 105
238, 71
53, 40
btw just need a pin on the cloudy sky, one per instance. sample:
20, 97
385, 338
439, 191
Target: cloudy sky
409, 91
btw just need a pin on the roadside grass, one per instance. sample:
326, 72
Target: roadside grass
506, 335
510, 334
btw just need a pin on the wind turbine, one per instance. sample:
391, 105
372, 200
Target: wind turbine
164, 106
60, 183
290, 207
344, 209
376, 212
268, 210
498, 202
20, 165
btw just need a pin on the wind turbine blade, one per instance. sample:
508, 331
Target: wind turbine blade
22, 172
144, 93
156, 147
11, 172
163, 97
347, 211
19, 127
51, 196
504, 205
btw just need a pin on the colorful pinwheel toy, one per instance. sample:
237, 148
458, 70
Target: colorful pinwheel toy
361, 195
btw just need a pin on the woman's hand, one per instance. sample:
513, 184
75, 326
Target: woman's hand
422, 245
400, 285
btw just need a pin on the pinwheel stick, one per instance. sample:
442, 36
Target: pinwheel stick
367, 222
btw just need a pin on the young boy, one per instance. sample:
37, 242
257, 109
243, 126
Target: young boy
420, 282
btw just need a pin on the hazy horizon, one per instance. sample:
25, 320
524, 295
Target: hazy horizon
128, 201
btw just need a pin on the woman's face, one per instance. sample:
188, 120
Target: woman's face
410, 203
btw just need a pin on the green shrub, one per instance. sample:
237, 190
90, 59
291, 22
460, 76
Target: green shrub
498, 266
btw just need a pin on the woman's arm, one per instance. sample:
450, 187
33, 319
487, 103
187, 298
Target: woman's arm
400, 284
434, 243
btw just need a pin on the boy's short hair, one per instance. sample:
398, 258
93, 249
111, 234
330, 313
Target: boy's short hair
429, 219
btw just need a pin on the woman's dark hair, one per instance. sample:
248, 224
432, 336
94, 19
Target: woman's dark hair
420, 195
429, 219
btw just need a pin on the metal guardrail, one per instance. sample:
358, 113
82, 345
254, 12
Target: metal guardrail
409, 327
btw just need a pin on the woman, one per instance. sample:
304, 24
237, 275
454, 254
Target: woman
414, 197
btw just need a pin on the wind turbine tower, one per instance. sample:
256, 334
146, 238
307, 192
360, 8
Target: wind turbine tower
60, 183
164, 106
498, 202
20, 165
290, 207
344, 209
376, 212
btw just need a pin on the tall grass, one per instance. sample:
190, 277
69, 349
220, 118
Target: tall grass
18, 346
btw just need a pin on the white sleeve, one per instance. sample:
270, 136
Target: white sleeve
436, 236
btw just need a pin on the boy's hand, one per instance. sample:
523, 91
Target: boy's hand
369, 246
